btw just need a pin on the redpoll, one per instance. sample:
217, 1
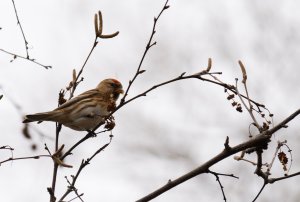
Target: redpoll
85, 111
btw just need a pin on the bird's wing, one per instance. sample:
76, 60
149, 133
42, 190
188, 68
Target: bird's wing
85, 95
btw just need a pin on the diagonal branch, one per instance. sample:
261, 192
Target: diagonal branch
263, 138
23, 34
218, 178
148, 46
83, 164
24, 158
258, 141
272, 180
260, 191
25, 58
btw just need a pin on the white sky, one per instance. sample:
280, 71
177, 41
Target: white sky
173, 129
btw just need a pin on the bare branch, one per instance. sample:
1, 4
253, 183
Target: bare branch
24, 158
83, 164
7, 147
219, 181
75, 190
284, 122
260, 191
272, 180
148, 46
261, 139
25, 58
19, 23
249, 109
81, 69
69, 152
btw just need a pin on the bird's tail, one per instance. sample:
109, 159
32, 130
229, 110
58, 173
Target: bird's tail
44, 116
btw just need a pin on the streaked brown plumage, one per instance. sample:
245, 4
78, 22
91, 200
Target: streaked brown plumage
85, 111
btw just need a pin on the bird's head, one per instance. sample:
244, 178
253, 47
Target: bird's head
111, 87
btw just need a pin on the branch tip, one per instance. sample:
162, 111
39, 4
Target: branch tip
226, 144
209, 65
243, 72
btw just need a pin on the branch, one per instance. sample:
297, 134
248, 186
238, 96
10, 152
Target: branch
7, 147
250, 108
75, 190
261, 139
272, 180
69, 152
260, 191
19, 23
75, 83
258, 141
83, 164
218, 179
182, 77
148, 46
25, 58
284, 122
24, 158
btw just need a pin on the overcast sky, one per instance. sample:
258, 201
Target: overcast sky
175, 128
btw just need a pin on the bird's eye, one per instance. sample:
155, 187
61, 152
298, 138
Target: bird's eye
114, 85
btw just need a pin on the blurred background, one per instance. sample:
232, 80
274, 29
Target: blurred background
173, 129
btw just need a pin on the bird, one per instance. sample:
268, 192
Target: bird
85, 111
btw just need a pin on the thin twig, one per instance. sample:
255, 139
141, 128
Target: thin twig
219, 181
249, 109
148, 46
279, 145
23, 34
272, 180
260, 191
83, 164
29, 59
7, 147
78, 196
284, 122
82, 67
75, 190
55, 164
23, 158
181, 77
69, 152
